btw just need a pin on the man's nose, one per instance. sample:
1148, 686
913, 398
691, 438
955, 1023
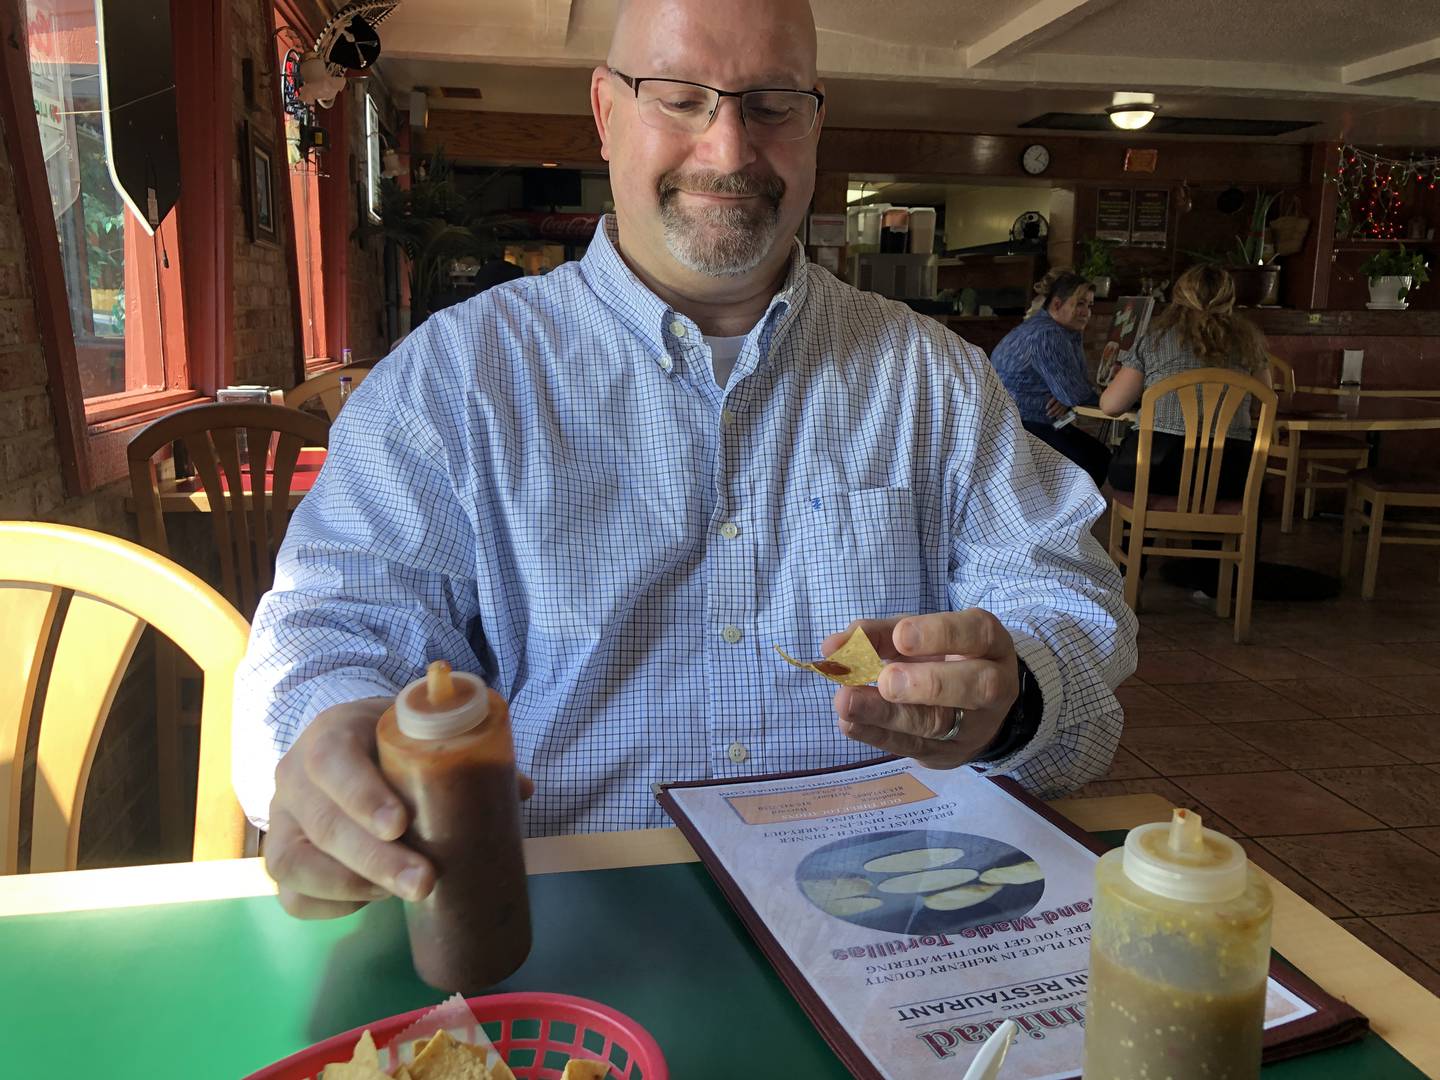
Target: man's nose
725, 145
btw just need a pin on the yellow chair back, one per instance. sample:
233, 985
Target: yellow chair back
326, 387
73, 604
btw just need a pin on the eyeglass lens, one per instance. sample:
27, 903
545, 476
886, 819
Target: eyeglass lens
770, 115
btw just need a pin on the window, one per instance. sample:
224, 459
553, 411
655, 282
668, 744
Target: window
372, 157
109, 261
118, 332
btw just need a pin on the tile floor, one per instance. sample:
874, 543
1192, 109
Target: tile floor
1317, 745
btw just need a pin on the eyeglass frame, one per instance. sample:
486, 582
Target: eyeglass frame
634, 84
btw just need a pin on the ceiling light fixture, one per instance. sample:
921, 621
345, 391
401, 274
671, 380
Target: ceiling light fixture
1131, 111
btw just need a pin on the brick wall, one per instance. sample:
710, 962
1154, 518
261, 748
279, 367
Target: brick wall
264, 329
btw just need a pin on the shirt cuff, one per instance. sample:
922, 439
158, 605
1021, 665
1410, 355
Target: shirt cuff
1046, 673
257, 748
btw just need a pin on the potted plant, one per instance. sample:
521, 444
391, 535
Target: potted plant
1256, 274
436, 221
1097, 265
1392, 273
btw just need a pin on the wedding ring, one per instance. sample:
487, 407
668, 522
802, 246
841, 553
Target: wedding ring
949, 736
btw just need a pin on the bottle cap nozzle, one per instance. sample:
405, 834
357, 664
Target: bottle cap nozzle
440, 685
1183, 860
442, 704
1187, 834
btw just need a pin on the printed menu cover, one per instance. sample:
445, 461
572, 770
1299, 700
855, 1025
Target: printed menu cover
911, 911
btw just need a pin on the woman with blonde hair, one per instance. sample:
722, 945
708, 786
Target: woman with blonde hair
1199, 329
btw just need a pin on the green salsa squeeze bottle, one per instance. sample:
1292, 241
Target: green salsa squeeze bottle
1179, 957
445, 748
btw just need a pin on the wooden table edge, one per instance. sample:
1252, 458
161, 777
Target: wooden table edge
1403, 1012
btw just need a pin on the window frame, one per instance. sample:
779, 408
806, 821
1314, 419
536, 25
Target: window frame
195, 296
330, 278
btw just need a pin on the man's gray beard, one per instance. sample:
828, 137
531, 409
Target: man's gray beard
720, 241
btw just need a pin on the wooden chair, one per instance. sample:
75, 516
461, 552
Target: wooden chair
1384, 490
1321, 452
73, 604
247, 530
248, 527
326, 387
1209, 399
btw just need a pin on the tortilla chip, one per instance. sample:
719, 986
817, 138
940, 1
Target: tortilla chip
364, 1063
445, 1059
960, 897
501, 1071
845, 907
585, 1069
926, 881
856, 663
403, 1074
1021, 873
906, 862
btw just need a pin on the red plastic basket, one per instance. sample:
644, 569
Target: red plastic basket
533, 1026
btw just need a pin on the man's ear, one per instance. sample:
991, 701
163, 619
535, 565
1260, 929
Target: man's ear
602, 101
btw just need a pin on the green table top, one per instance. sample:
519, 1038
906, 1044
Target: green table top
222, 988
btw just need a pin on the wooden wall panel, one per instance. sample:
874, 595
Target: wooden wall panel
527, 139
496, 138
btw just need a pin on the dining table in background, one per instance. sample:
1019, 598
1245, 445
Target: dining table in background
186, 495
193, 969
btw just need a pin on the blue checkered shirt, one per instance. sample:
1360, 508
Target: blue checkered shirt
1041, 359
545, 486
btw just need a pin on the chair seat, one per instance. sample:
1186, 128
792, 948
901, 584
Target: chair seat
1392, 480
1170, 504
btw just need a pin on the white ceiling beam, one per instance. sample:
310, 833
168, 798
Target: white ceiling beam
1037, 23
1388, 65
556, 30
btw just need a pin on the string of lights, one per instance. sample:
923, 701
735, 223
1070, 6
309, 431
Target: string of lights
1376, 188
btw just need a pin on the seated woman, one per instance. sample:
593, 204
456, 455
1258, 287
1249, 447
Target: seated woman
1199, 329
1042, 364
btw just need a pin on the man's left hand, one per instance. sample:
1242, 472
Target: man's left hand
936, 665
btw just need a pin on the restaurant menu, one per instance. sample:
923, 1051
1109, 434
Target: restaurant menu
912, 911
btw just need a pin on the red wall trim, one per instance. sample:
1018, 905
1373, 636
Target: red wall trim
337, 218
52, 312
202, 49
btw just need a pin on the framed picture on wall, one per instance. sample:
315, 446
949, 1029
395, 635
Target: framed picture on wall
262, 172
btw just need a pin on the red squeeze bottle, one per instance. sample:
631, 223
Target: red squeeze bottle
445, 748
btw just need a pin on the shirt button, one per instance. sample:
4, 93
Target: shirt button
666, 363
678, 329
731, 634
729, 530
737, 753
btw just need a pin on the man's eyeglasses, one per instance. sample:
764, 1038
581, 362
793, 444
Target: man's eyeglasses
769, 115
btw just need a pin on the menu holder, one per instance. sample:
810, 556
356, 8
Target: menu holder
905, 975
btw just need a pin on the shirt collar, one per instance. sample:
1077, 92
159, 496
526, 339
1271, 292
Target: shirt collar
616, 285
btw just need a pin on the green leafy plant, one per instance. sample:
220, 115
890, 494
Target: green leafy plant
1250, 248
1097, 258
1397, 262
436, 221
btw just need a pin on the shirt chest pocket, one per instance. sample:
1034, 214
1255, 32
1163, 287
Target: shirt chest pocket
856, 555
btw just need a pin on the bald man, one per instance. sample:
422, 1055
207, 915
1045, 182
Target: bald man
611, 490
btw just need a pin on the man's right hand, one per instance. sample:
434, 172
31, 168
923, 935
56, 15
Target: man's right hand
1055, 409
335, 822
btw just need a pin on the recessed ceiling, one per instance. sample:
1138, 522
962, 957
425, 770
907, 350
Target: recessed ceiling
1367, 71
